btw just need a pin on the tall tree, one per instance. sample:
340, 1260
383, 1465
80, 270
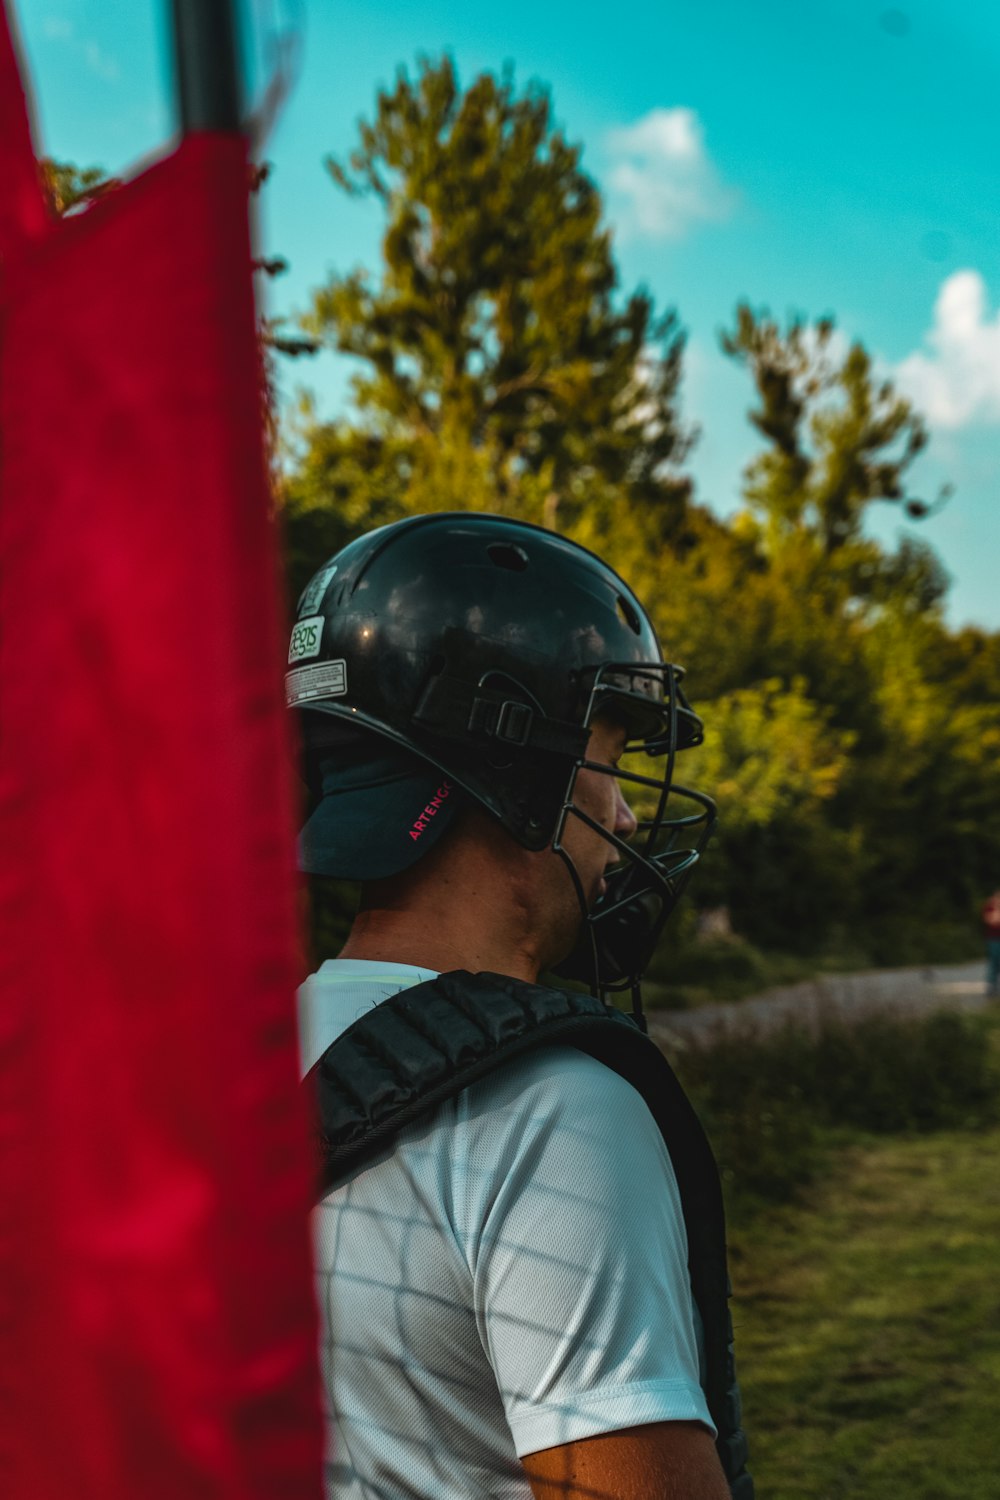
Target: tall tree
500, 367
840, 436
840, 439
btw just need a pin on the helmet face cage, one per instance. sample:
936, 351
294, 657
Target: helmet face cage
621, 930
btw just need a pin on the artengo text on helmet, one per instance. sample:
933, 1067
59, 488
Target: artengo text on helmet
430, 811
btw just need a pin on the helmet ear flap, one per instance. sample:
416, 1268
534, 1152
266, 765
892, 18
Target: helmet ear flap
312, 775
322, 735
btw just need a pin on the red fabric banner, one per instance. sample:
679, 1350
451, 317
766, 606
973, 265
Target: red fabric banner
156, 1300
22, 206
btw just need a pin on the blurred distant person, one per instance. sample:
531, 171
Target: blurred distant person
991, 932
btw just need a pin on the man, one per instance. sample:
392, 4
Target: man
991, 935
516, 1206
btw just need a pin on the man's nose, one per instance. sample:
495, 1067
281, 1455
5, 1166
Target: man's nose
625, 819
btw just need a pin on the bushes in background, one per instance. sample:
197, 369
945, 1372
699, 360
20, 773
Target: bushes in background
687, 972
774, 1105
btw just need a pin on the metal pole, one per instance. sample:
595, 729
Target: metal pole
209, 91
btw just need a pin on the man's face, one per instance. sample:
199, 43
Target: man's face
600, 797
546, 894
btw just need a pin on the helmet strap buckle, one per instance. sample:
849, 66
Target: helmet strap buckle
514, 722
509, 721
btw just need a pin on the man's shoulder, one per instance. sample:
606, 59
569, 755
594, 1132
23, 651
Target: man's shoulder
511, 1067
553, 1079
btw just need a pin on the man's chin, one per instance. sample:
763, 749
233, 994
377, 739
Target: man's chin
572, 956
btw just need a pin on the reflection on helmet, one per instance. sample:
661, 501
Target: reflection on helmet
485, 647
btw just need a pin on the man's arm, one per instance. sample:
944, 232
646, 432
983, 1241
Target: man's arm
661, 1461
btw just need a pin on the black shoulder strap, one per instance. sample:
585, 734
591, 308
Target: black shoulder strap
428, 1043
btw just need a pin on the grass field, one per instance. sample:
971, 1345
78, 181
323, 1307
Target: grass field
868, 1326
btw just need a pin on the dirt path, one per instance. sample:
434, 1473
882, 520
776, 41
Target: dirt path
845, 996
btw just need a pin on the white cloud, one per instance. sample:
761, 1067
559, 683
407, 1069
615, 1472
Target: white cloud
662, 176
99, 62
56, 29
955, 379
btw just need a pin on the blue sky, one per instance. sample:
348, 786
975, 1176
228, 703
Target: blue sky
812, 158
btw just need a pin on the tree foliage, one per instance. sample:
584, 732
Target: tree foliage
70, 186
839, 437
852, 739
498, 367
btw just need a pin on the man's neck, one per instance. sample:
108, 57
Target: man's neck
477, 902
395, 937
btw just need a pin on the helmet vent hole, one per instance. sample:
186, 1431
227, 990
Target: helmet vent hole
627, 614
506, 555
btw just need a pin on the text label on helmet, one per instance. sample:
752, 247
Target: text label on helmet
324, 679
307, 637
312, 594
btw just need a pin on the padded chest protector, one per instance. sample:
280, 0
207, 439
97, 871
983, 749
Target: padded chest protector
429, 1042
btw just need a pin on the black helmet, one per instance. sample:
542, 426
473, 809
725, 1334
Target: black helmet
484, 647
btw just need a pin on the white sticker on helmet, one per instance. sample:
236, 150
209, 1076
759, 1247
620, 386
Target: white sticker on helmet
312, 594
324, 679
307, 637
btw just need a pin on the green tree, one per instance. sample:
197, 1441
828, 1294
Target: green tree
811, 580
926, 798
774, 762
499, 368
840, 436
822, 644
70, 186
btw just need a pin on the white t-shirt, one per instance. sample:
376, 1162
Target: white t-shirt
510, 1275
